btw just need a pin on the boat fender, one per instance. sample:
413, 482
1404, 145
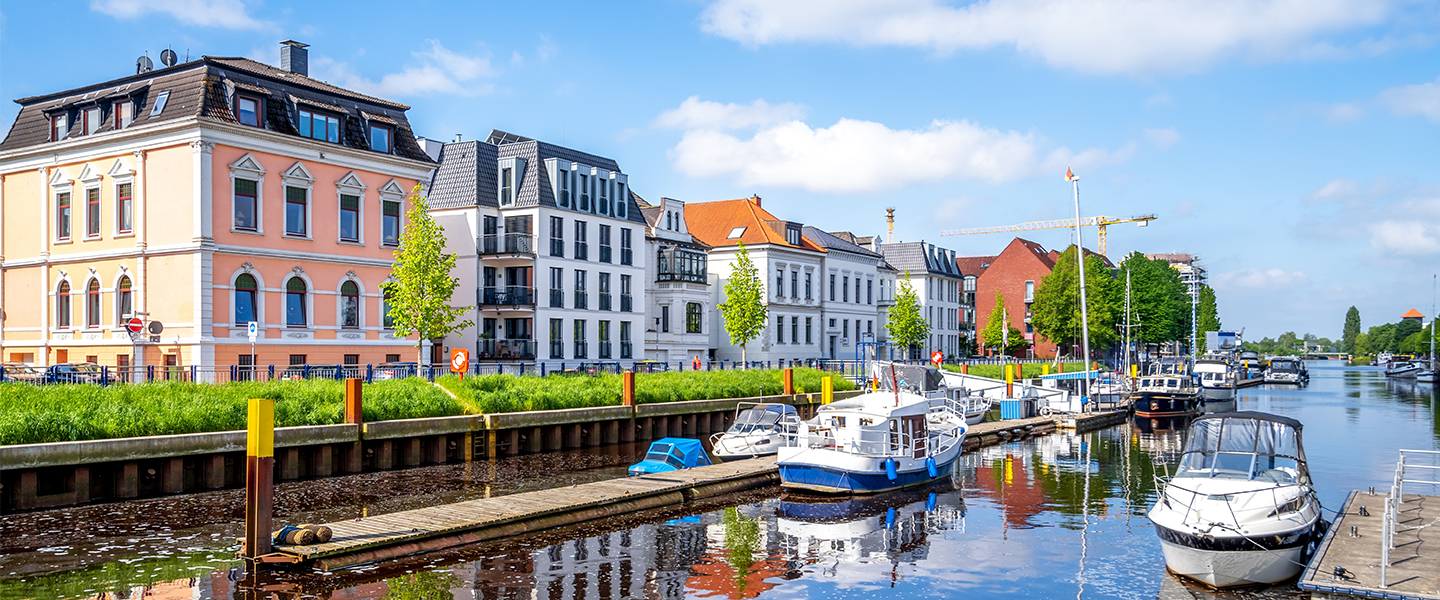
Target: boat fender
930, 502
930, 467
890, 518
890, 469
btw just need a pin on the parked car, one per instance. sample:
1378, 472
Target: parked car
21, 372
395, 370
298, 372
671, 454
77, 373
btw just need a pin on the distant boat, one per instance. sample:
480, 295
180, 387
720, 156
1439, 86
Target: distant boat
1285, 370
1404, 369
1217, 379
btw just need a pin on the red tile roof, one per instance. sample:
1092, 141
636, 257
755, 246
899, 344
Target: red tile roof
1413, 314
973, 265
712, 222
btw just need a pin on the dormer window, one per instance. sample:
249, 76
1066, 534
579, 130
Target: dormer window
792, 235
507, 186
584, 192
564, 177
59, 126
92, 120
124, 114
319, 126
380, 138
247, 110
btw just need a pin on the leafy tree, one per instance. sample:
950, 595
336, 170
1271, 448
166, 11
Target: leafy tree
995, 327
1352, 330
1207, 314
1362, 345
744, 312
1159, 299
1055, 313
421, 286
1381, 337
906, 327
1403, 330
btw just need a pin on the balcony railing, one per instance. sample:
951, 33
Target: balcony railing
507, 296
627, 256
557, 247
604, 301
557, 298
580, 350
582, 300
582, 251
557, 349
626, 351
604, 349
503, 349
685, 277
626, 303
605, 254
507, 243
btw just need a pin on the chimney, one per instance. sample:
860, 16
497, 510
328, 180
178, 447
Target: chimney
294, 57
754, 199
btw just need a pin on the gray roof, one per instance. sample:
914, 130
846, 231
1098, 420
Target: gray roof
460, 181
830, 241
921, 257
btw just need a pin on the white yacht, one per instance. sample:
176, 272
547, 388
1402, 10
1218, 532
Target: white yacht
1404, 369
1287, 370
1217, 379
758, 430
1240, 510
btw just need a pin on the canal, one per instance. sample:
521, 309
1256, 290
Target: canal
1055, 516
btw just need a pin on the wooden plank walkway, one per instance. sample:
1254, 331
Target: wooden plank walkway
1414, 570
432, 528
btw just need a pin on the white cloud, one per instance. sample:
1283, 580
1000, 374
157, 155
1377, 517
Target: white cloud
228, 14
861, 156
695, 113
1414, 100
1344, 112
1273, 279
1162, 138
546, 49
438, 71
1097, 36
1405, 238
1333, 190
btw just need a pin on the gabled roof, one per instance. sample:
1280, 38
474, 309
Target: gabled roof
712, 223
973, 266
1039, 251
830, 241
1412, 314
921, 257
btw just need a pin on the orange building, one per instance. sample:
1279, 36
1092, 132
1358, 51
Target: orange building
203, 196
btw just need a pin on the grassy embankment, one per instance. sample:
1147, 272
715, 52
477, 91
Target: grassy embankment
36, 414
998, 371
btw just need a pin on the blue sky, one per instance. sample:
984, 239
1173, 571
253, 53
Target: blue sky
1291, 144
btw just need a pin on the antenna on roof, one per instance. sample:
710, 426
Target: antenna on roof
143, 64
168, 57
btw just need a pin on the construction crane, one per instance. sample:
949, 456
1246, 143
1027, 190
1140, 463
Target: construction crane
1100, 222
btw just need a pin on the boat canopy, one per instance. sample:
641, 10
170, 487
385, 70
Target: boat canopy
919, 379
1244, 445
1092, 375
680, 453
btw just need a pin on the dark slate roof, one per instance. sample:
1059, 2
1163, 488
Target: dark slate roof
921, 257
460, 181
830, 241
203, 89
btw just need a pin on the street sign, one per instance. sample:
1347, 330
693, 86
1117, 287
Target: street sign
156, 328
937, 357
135, 325
254, 331
459, 360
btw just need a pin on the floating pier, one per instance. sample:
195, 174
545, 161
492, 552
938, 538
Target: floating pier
1348, 562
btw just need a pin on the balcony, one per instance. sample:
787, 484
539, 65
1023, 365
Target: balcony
582, 251
507, 349
604, 349
580, 350
626, 303
557, 298
582, 300
604, 301
557, 247
683, 277
626, 350
508, 297
557, 349
627, 257
507, 243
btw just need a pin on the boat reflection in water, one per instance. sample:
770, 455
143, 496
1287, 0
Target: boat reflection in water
891, 528
1160, 424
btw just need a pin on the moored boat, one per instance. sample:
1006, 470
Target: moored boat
1168, 391
758, 430
1217, 379
1286, 370
1404, 369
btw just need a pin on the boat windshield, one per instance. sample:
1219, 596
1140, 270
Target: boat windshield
1283, 366
669, 455
1243, 449
754, 420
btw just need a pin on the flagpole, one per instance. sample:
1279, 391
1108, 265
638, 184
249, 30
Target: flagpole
1084, 308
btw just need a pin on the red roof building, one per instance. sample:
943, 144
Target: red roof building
1016, 273
1413, 315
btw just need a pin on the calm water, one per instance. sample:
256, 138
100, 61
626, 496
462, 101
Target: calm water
1059, 516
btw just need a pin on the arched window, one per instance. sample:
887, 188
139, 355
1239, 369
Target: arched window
668, 223
386, 320
92, 304
245, 299
124, 300
62, 306
295, 303
350, 305
692, 317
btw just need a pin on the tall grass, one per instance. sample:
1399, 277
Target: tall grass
511, 393
998, 371
57, 413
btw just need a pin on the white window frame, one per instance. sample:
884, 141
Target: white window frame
54, 323
350, 185
99, 312
246, 167
391, 192
60, 185
259, 297
309, 302
93, 184
120, 175
120, 275
297, 176
340, 304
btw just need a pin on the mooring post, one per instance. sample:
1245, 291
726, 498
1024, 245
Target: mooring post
789, 379
965, 369
627, 388
1044, 369
1019, 371
1010, 381
353, 414
259, 477
827, 390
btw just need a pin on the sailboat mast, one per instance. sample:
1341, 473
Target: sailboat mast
1084, 311
1128, 358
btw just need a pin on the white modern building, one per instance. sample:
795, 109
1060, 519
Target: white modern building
854, 287
549, 239
677, 288
936, 278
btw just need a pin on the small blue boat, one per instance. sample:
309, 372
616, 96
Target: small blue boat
671, 454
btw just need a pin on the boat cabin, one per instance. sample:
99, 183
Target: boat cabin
863, 428
1251, 446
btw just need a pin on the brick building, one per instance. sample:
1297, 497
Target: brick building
1016, 273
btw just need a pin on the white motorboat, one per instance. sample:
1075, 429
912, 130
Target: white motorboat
1287, 370
1168, 391
1217, 379
758, 430
1404, 369
1240, 510
884, 440
1384, 359
1426, 376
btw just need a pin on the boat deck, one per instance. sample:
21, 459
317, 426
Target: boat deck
1414, 570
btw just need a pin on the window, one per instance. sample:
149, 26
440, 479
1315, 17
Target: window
582, 249
507, 186
390, 222
625, 348
625, 301
604, 195
792, 235
692, 317
352, 360
92, 212
794, 284
349, 305
564, 199
296, 202
604, 291
869, 291
380, 138
62, 306
808, 339
832, 287
245, 297
857, 290
604, 331
557, 287
664, 319
391, 358
845, 289
557, 339
1029, 291
779, 330
124, 300
349, 218
779, 283
319, 126
247, 110
627, 254
160, 103
246, 205
622, 202
297, 359
580, 338
124, 114
124, 208
795, 329
295, 303
92, 120
668, 223
735, 233
807, 286
62, 215
870, 327
584, 192
605, 243
92, 304
580, 299
845, 328
557, 236
58, 128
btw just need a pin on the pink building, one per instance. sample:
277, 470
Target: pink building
203, 196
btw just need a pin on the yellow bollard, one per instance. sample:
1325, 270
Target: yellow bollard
1010, 380
259, 477
827, 390
1044, 369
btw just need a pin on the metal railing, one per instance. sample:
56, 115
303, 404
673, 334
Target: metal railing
507, 349
605, 253
627, 303
507, 243
1391, 522
557, 298
507, 296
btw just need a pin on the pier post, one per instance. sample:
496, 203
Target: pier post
1010, 380
827, 390
1019, 372
788, 377
1044, 369
627, 388
259, 477
965, 369
354, 415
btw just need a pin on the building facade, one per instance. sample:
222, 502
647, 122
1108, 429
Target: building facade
853, 292
204, 196
936, 279
678, 315
550, 240
1015, 274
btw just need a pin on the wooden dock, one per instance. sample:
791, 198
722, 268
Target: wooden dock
1414, 571
426, 529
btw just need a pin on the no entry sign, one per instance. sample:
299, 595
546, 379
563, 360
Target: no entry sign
135, 325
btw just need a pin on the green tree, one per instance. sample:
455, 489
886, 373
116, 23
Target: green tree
1159, 300
1361, 346
1381, 336
1207, 315
1352, 330
1055, 313
1403, 331
744, 312
420, 288
906, 327
995, 327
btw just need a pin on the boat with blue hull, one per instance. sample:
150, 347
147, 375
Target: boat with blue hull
890, 439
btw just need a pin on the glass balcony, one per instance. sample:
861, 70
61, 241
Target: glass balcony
507, 349
604, 349
626, 303
507, 243
509, 296
604, 301
557, 349
605, 254
625, 350
582, 300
